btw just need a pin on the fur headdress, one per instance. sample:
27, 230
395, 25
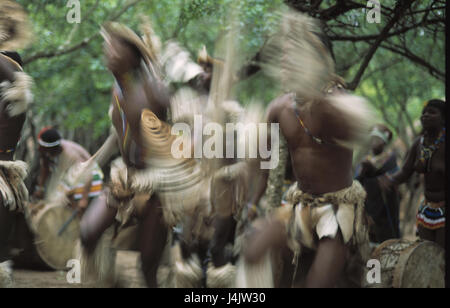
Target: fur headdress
17, 93
150, 39
15, 28
114, 29
177, 63
298, 58
204, 59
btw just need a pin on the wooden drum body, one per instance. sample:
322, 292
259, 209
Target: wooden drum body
408, 264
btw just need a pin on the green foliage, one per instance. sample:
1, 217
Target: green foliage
73, 89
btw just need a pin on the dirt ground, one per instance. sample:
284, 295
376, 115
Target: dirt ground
128, 275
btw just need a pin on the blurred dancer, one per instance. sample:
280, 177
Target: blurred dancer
15, 96
58, 157
382, 205
325, 210
136, 89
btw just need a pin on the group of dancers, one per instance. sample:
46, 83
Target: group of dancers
195, 217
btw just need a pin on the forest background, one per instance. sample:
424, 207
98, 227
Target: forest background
396, 63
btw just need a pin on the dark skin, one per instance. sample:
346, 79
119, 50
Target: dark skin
222, 195
377, 145
378, 197
10, 131
434, 180
223, 222
318, 169
222, 198
10, 128
138, 94
123, 60
261, 187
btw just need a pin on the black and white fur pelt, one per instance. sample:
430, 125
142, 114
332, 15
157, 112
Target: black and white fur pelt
17, 95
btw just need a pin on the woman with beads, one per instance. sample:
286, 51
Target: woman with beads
427, 156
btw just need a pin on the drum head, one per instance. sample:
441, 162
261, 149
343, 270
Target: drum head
54, 249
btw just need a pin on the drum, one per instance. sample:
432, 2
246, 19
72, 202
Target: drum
24, 254
410, 264
56, 229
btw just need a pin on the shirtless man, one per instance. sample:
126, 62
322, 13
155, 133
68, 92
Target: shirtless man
15, 93
289, 179
382, 205
134, 91
323, 168
427, 156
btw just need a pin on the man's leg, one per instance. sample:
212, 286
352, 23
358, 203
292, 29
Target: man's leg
152, 239
224, 228
329, 263
440, 237
426, 234
267, 234
6, 226
97, 218
224, 222
384, 233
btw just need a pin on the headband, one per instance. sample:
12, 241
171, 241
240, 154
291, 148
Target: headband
49, 144
380, 134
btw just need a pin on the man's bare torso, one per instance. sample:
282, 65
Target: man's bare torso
318, 168
126, 118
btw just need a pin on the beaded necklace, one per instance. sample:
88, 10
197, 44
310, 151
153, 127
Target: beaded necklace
426, 152
7, 151
135, 154
308, 132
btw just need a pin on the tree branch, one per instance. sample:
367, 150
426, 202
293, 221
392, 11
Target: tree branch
381, 106
374, 36
125, 8
62, 51
380, 69
181, 20
416, 59
59, 51
399, 9
341, 7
